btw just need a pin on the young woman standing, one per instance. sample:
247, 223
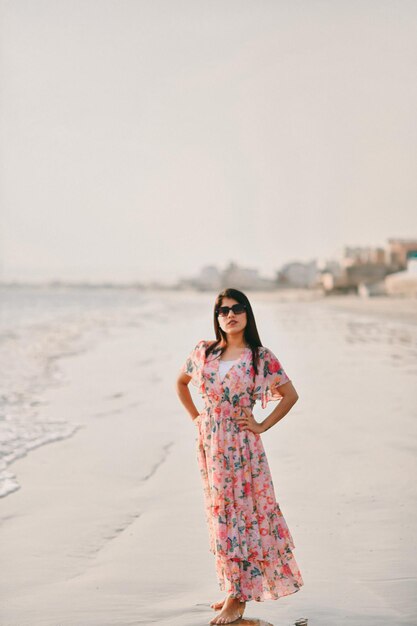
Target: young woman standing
248, 533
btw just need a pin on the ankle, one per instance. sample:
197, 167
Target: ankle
237, 599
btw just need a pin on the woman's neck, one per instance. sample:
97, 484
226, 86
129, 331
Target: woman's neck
236, 342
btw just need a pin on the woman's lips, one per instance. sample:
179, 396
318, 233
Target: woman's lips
232, 323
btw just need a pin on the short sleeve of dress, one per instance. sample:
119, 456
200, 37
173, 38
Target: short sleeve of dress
193, 364
270, 377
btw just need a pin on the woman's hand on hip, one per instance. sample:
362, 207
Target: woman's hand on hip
248, 422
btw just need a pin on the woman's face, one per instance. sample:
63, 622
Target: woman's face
232, 323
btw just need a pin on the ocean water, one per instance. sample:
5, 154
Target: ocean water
39, 326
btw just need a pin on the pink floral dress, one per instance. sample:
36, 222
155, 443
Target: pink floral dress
248, 533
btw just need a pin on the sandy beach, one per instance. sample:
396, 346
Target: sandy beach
107, 527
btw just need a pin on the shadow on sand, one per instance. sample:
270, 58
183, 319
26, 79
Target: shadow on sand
303, 621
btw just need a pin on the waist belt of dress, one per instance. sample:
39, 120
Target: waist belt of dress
235, 411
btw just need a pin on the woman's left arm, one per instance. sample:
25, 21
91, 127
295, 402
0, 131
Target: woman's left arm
289, 398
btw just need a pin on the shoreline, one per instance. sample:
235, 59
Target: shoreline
108, 526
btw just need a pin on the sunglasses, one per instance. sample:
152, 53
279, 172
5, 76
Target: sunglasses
237, 309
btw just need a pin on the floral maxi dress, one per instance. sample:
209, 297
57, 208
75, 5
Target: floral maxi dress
248, 533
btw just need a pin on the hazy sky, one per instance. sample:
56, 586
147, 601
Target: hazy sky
145, 139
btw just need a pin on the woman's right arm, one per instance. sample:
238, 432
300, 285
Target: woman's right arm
185, 396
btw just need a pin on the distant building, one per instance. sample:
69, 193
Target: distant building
404, 283
332, 276
245, 278
209, 278
362, 270
299, 275
398, 251
365, 273
365, 270
366, 255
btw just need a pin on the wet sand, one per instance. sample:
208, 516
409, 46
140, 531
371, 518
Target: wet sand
108, 526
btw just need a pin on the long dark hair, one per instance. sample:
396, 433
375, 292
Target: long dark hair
251, 334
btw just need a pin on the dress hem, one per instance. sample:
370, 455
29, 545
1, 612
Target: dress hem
264, 598
266, 585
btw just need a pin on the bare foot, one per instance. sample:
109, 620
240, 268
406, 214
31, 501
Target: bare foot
232, 610
218, 605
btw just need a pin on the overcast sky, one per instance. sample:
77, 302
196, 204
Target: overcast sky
146, 139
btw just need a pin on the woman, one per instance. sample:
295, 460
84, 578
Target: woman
248, 533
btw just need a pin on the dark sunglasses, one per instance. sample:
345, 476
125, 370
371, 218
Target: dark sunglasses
237, 309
